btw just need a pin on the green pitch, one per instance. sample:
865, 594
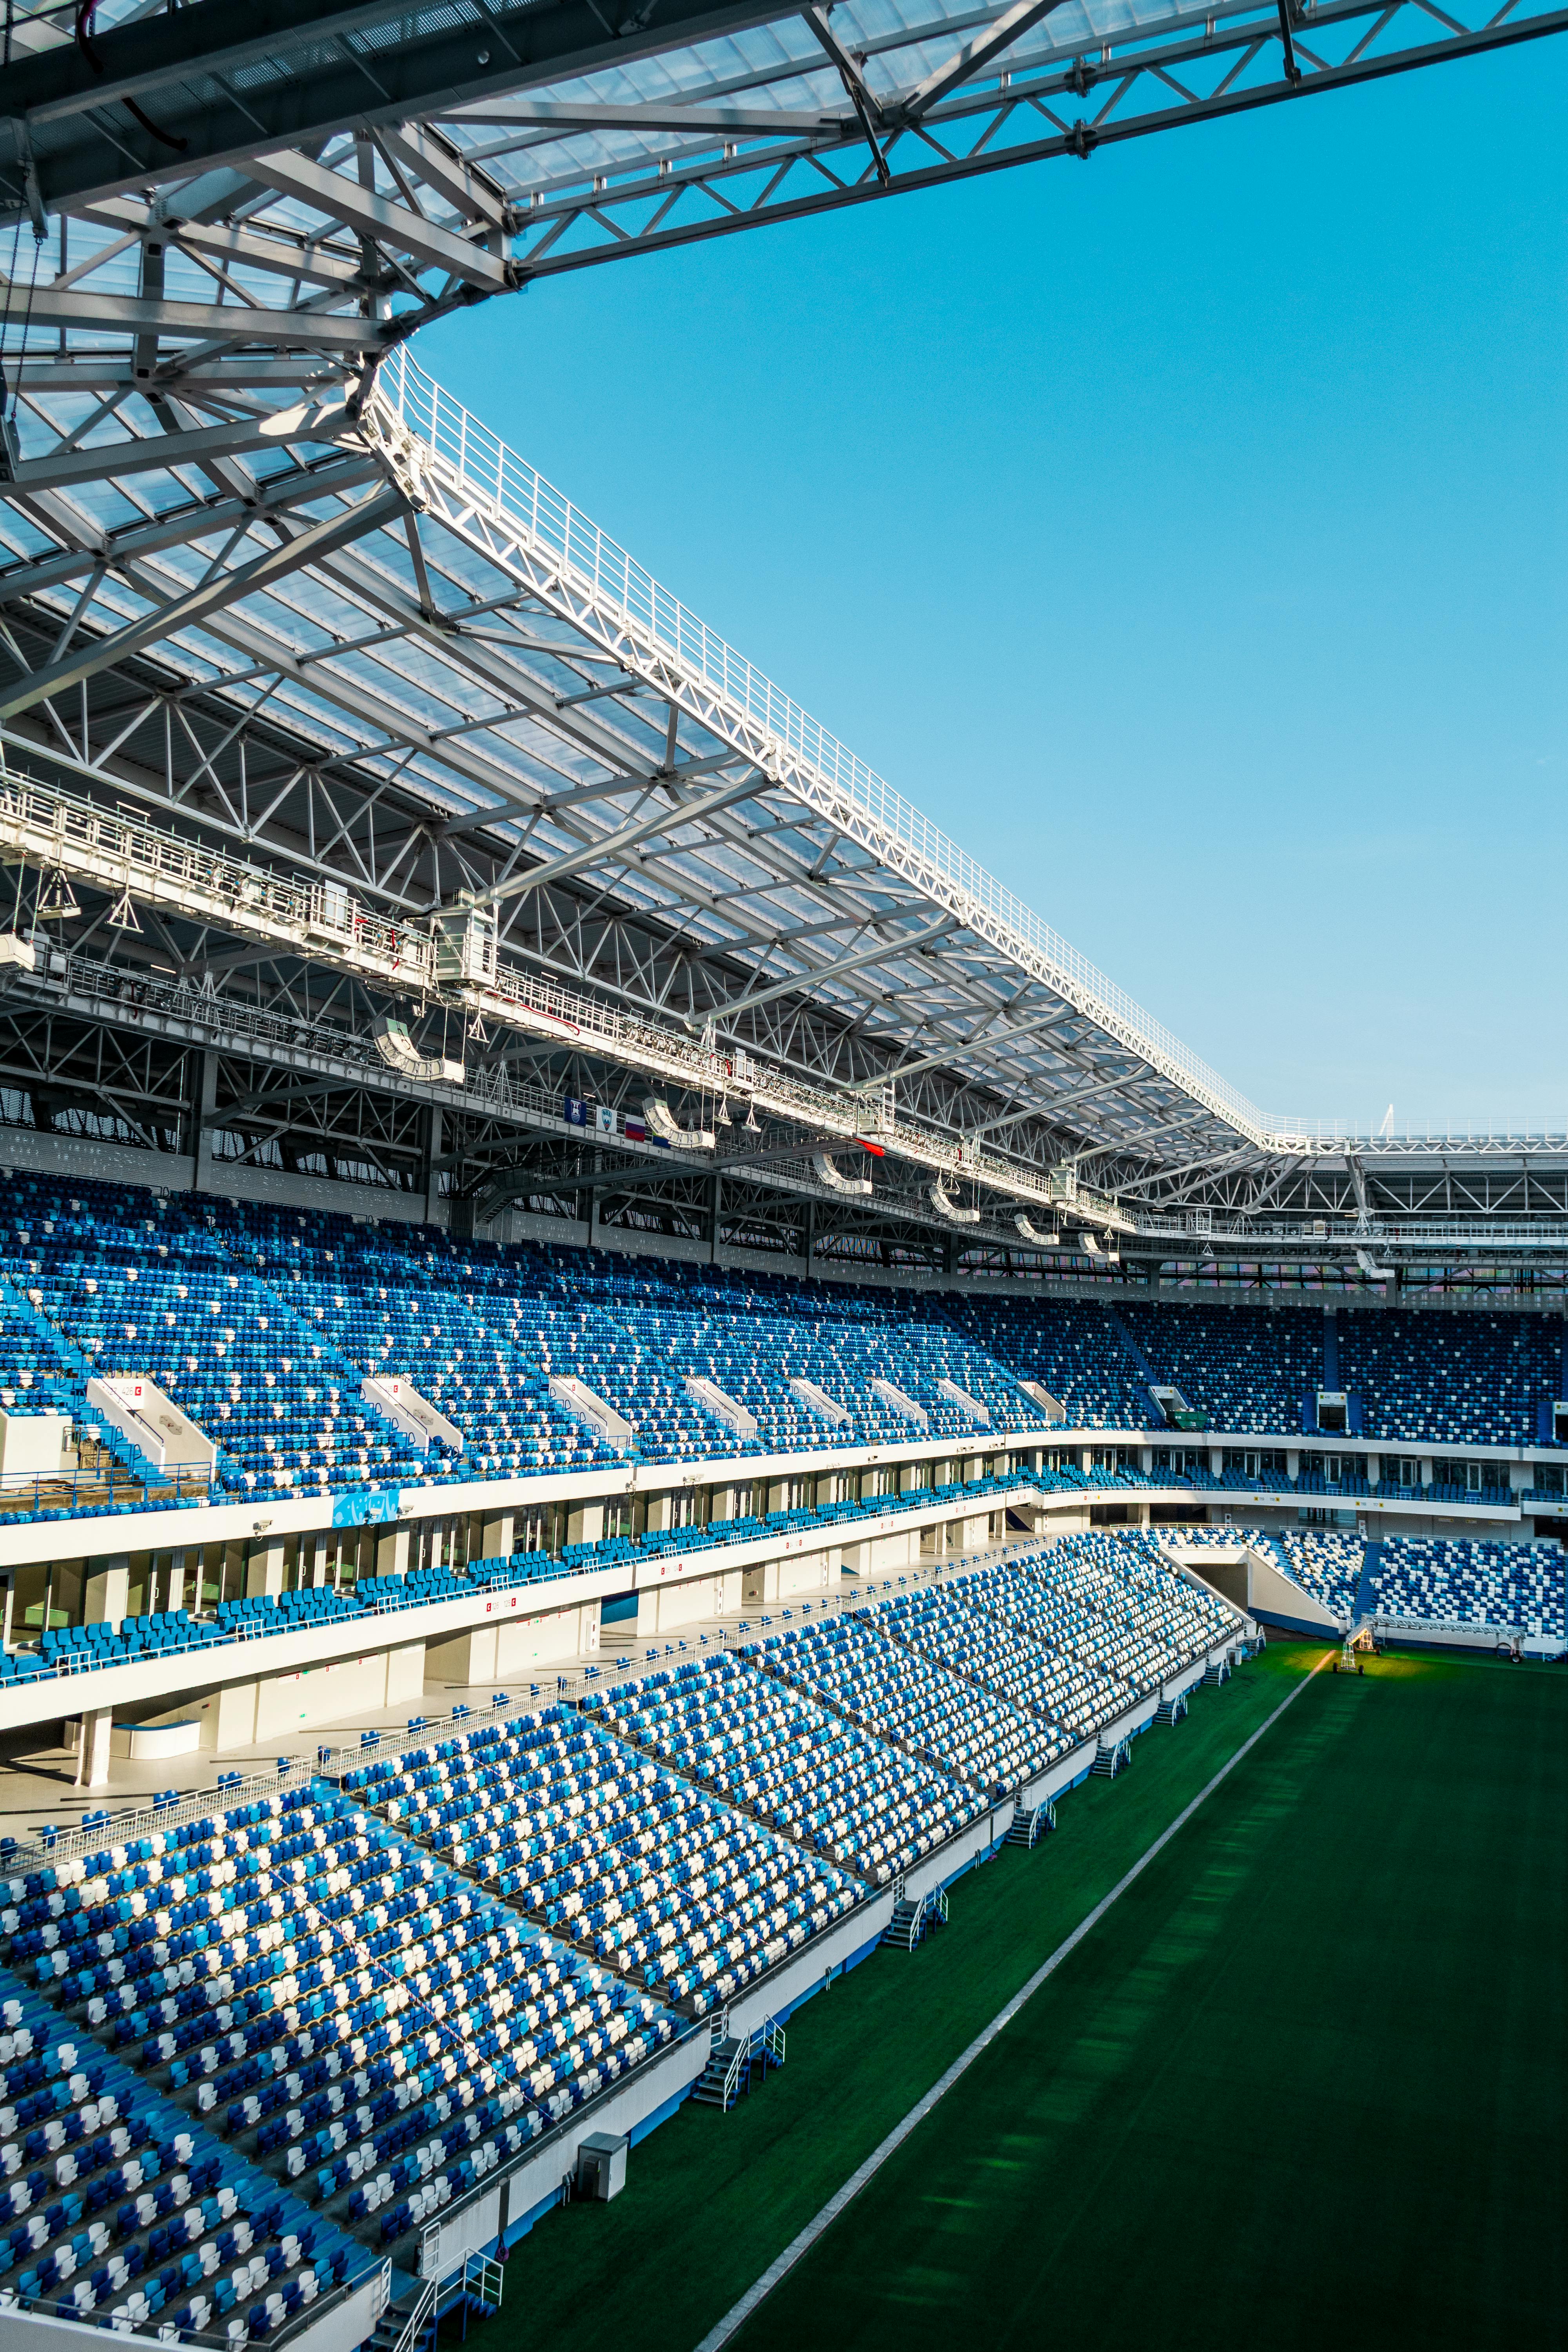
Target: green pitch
1304, 2083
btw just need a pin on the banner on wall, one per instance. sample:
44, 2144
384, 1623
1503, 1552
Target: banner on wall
366, 1510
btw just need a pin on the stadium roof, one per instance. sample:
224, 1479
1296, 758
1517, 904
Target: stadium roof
278, 607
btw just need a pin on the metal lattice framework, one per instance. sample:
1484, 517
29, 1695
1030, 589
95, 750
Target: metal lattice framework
320, 709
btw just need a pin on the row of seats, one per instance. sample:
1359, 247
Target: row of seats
121, 2207
826, 1785
1461, 1581
684, 1894
1423, 1380
326, 1993
855, 1669
241, 2055
1512, 1587
162, 1634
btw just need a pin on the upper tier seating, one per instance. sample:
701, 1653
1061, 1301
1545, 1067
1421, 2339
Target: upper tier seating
1070, 1346
829, 1787
682, 1893
1245, 1372
1451, 1379
261, 1324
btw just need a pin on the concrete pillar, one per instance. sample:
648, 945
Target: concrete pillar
10, 1595
660, 1512
233, 1718
175, 1596
106, 1590
585, 1523
1216, 1461
496, 1536
392, 1555
264, 1569
92, 1754
321, 1558
405, 1673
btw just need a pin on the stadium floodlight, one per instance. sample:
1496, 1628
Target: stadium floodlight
858, 1187
1042, 1241
399, 1051
663, 1124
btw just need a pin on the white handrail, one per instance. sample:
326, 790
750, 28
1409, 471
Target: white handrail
612, 576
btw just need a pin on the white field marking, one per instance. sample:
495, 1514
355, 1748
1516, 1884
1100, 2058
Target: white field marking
739, 2313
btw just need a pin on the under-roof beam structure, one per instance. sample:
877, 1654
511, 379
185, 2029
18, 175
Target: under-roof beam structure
221, 588
817, 975
974, 58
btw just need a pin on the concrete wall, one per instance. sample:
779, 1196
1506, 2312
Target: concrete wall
488, 1654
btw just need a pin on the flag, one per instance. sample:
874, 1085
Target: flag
605, 1119
575, 1112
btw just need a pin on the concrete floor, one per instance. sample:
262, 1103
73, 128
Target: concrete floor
37, 1784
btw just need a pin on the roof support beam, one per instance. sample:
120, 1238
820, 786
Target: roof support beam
135, 314
1009, 27
182, 66
950, 1053
180, 612
155, 453
612, 844
379, 219
801, 983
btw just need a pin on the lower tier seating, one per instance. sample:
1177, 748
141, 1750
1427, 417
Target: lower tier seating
684, 1895
829, 1786
118, 2205
855, 1669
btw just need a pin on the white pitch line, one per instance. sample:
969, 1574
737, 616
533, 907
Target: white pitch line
739, 2313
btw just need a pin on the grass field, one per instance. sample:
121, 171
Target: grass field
1305, 2082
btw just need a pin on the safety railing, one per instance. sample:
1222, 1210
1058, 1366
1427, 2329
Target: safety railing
58, 832
125, 1825
601, 566
154, 2328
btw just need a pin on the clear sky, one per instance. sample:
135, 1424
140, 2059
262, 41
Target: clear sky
1185, 531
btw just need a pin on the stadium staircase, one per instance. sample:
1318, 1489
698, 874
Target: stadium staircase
735, 2059
1030, 1823
472, 2284
1218, 1673
913, 1919
1172, 1710
1366, 1585
1111, 1757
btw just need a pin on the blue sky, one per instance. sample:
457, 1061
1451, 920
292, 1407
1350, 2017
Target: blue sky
1185, 531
